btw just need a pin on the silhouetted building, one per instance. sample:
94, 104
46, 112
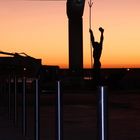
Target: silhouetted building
17, 64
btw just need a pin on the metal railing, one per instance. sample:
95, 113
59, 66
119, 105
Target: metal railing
12, 82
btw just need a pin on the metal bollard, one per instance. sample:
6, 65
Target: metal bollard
9, 97
102, 114
15, 100
37, 110
59, 115
24, 108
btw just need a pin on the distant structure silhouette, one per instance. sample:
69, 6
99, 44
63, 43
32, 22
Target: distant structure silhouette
75, 9
19, 64
97, 51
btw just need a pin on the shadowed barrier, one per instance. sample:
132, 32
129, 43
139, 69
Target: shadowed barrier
13, 106
14, 73
59, 112
102, 117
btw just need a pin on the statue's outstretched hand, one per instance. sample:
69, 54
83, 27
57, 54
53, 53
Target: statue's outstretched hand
101, 29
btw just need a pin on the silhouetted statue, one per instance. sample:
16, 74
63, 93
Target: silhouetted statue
97, 51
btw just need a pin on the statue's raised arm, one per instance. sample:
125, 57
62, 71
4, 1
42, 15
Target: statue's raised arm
92, 37
102, 36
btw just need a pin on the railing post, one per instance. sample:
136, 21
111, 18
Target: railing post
9, 97
37, 110
24, 108
102, 113
59, 113
15, 100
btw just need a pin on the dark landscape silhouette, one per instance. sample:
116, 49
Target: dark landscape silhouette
79, 100
31, 93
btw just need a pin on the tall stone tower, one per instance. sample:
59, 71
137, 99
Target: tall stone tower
75, 10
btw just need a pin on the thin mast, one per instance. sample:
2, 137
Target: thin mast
90, 3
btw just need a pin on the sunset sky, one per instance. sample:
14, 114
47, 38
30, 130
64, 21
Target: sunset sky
40, 29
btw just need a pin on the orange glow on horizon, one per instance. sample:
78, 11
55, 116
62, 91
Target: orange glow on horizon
40, 29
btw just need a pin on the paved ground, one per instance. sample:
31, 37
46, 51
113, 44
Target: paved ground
80, 118
8, 130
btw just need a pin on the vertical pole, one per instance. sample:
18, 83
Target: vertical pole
9, 97
15, 101
37, 115
102, 114
90, 6
59, 120
90, 3
24, 108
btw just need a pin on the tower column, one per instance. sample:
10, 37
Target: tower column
75, 10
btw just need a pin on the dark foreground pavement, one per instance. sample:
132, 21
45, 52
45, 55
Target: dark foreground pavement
9, 132
80, 118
